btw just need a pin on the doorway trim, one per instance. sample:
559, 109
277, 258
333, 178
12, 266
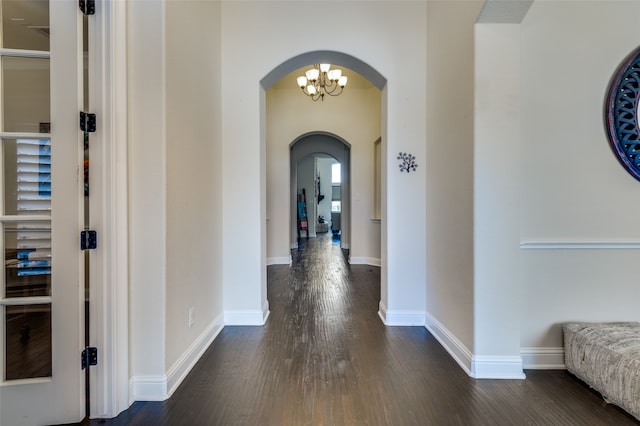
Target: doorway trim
109, 273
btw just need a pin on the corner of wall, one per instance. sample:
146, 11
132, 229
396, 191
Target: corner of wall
160, 388
247, 317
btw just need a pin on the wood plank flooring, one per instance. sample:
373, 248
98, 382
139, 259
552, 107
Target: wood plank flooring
325, 358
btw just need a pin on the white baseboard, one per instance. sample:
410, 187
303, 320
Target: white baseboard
543, 358
148, 388
400, 318
450, 343
364, 261
185, 363
294, 245
160, 388
279, 261
247, 317
496, 367
382, 312
479, 367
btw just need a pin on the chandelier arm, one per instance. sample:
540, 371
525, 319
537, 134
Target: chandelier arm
334, 93
331, 87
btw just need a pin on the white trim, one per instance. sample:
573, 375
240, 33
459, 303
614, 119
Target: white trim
496, 367
148, 388
21, 53
450, 343
543, 358
247, 317
24, 135
580, 245
279, 261
400, 318
25, 218
160, 388
190, 357
476, 366
112, 390
26, 300
382, 312
294, 245
365, 261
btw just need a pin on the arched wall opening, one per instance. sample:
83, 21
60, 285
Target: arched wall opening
378, 83
336, 147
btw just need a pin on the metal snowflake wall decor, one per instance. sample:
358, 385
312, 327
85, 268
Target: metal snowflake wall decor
408, 162
622, 113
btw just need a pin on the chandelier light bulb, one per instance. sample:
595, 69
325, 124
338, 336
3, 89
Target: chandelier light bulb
334, 75
325, 67
342, 81
302, 81
311, 89
313, 74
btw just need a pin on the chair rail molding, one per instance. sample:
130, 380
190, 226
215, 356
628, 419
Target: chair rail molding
580, 245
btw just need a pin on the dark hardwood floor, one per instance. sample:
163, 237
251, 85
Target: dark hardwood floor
325, 358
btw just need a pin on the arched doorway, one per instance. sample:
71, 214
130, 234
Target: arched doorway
279, 237
340, 150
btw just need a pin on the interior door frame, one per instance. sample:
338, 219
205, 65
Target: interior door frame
108, 198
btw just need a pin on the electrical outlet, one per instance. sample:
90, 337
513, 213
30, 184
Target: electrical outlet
192, 316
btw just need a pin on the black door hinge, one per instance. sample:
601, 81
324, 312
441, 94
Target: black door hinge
89, 357
88, 240
87, 122
87, 7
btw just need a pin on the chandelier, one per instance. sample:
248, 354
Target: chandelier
322, 80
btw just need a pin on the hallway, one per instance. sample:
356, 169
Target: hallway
325, 358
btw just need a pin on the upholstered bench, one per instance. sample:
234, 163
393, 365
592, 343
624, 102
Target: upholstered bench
607, 357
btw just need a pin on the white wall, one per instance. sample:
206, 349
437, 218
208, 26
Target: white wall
194, 179
579, 206
497, 295
175, 184
251, 49
147, 186
354, 116
449, 167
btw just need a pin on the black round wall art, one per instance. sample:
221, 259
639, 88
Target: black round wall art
621, 113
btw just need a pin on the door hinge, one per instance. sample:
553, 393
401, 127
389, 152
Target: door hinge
88, 240
89, 357
87, 122
87, 7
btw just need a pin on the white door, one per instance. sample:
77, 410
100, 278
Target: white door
41, 293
